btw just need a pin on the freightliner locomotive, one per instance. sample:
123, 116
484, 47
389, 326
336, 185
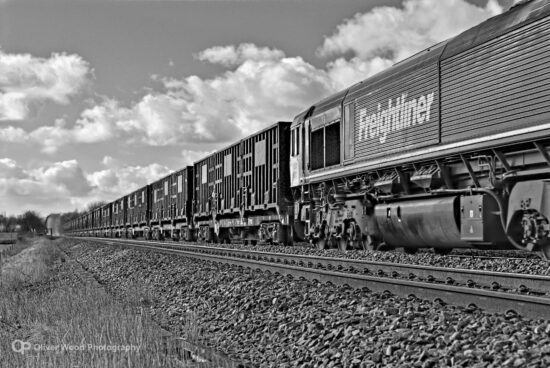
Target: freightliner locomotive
446, 149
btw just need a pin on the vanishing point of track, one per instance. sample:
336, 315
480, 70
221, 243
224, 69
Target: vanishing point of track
492, 291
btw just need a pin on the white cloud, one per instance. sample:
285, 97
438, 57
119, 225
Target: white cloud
61, 186
261, 85
49, 188
13, 135
27, 82
115, 181
257, 93
67, 174
235, 55
396, 33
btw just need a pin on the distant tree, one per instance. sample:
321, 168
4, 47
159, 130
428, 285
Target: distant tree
94, 205
68, 216
30, 221
11, 223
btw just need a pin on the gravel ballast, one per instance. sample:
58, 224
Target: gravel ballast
269, 320
517, 262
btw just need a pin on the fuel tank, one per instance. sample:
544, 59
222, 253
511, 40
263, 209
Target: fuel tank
431, 222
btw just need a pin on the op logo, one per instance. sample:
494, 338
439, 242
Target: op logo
399, 115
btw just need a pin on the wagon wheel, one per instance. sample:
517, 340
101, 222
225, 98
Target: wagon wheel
545, 251
321, 244
342, 244
358, 241
371, 243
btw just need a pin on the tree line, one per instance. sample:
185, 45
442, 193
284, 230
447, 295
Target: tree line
32, 222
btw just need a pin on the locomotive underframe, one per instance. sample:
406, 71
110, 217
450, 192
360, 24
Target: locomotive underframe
488, 198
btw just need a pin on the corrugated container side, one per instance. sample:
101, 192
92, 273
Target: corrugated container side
226, 176
260, 160
398, 114
204, 184
137, 210
96, 218
106, 216
501, 85
179, 193
119, 211
160, 190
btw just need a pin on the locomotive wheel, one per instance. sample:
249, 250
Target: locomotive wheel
371, 243
321, 244
545, 251
342, 245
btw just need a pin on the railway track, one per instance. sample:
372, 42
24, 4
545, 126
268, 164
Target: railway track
527, 295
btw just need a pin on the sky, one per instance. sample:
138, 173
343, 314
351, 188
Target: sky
100, 97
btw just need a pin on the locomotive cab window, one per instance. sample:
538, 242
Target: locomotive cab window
325, 146
295, 141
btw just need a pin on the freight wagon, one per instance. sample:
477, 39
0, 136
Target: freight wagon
445, 149
171, 206
105, 227
96, 221
242, 192
137, 220
118, 218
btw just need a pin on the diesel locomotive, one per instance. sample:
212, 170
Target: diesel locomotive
446, 149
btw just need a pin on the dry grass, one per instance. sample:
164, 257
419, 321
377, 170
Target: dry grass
35, 309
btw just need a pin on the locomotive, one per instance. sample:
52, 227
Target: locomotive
446, 149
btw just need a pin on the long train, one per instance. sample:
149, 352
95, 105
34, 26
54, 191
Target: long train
446, 149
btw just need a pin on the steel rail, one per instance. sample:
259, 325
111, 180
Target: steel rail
491, 301
490, 279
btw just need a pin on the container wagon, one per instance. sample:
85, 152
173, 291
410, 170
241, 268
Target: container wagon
105, 227
180, 203
161, 221
242, 192
138, 213
446, 149
119, 215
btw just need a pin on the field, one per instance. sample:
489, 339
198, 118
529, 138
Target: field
53, 314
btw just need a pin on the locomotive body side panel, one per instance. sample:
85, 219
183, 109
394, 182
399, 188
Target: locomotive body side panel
498, 86
397, 115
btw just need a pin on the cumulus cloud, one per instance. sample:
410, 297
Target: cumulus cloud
13, 135
118, 179
61, 186
260, 85
46, 189
384, 35
232, 55
258, 92
26, 82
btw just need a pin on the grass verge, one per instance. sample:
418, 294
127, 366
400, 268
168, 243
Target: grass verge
54, 317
